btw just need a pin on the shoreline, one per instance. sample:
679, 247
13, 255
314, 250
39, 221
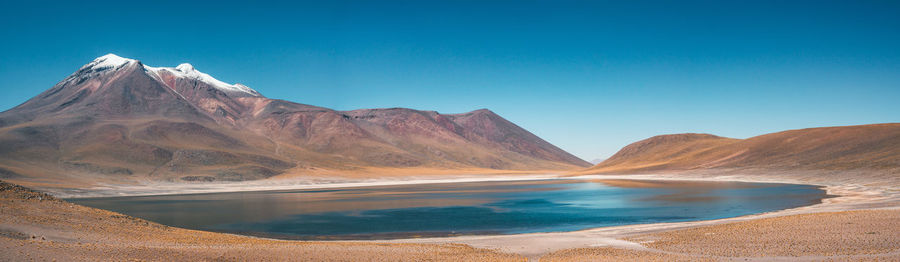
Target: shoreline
877, 192
281, 184
533, 245
831, 193
189, 189
151, 189
461, 181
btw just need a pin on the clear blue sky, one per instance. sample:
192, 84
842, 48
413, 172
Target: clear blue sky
588, 76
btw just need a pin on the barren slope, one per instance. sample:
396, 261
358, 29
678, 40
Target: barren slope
830, 148
118, 120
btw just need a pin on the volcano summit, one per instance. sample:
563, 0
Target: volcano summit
118, 120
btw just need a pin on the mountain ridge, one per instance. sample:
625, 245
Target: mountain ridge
873, 146
116, 119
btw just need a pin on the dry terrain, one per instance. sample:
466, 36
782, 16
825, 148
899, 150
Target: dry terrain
866, 147
616, 254
867, 235
36, 226
850, 234
857, 165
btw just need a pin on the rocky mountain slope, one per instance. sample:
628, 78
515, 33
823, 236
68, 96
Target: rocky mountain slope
828, 148
116, 119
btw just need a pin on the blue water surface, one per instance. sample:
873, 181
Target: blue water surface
458, 208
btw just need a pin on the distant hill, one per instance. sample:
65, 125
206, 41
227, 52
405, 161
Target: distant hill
118, 120
874, 146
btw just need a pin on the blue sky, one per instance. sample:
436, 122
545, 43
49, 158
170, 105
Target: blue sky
588, 76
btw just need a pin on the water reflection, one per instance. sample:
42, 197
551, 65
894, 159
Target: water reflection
460, 208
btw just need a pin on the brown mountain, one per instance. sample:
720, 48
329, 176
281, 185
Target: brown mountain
116, 119
828, 148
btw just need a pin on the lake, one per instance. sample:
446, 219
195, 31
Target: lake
426, 210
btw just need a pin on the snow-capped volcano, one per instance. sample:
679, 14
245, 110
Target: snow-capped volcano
116, 119
107, 61
183, 71
187, 71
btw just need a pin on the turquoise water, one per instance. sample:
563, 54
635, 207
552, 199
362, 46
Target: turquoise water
384, 212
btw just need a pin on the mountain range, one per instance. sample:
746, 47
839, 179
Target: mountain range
118, 120
863, 147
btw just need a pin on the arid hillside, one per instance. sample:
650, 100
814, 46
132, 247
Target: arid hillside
875, 147
117, 120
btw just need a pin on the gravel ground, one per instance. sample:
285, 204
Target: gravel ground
865, 232
614, 254
864, 235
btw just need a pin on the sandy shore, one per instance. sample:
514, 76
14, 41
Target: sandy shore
858, 224
165, 188
871, 192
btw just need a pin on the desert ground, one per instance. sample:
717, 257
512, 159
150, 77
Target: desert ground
859, 223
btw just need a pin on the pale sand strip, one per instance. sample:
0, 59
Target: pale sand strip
167, 188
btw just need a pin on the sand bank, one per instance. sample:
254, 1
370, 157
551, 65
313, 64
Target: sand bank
168, 188
873, 192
